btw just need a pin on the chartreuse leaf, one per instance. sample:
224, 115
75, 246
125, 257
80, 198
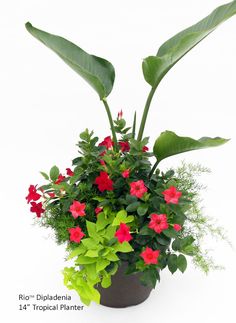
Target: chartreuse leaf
102, 264
77, 251
122, 217
106, 281
169, 144
156, 67
123, 247
97, 71
92, 231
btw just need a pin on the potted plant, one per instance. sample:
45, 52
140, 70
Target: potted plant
122, 219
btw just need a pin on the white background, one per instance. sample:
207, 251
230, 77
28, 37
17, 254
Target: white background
45, 105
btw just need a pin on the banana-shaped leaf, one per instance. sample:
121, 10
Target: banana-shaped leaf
169, 144
155, 67
98, 72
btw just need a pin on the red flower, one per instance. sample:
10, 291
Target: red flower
145, 149
138, 188
150, 256
76, 234
123, 234
60, 179
171, 195
104, 182
69, 172
158, 222
77, 209
124, 146
33, 195
177, 227
51, 194
37, 208
107, 142
125, 173
98, 210
120, 114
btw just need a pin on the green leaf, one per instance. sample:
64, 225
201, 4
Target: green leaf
77, 251
142, 209
45, 175
170, 233
91, 271
98, 72
89, 243
54, 173
123, 247
172, 263
182, 263
106, 281
112, 257
83, 260
169, 144
92, 253
92, 231
133, 207
102, 264
122, 217
149, 277
156, 67
102, 222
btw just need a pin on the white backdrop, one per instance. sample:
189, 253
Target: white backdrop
44, 107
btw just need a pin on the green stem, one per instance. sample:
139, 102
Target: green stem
111, 123
145, 113
153, 169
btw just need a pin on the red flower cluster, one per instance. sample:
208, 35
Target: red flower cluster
37, 208
171, 195
77, 209
76, 234
158, 222
150, 256
104, 182
33, 195
123, 234
138, 188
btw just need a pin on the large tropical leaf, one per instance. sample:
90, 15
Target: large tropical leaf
98, 72
155, 67
169, 144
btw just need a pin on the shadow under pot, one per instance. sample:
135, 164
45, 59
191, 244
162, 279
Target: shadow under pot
125, 290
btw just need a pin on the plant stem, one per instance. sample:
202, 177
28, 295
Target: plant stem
153, 169
111, 122
145, 113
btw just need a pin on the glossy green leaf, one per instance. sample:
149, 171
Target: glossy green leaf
169, 144
172, 263
182, 263
98, 72
54, 173
156, 67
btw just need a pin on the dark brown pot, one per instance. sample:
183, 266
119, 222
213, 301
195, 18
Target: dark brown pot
125, 290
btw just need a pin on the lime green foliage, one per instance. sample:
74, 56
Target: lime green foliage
197, 225
96, 256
